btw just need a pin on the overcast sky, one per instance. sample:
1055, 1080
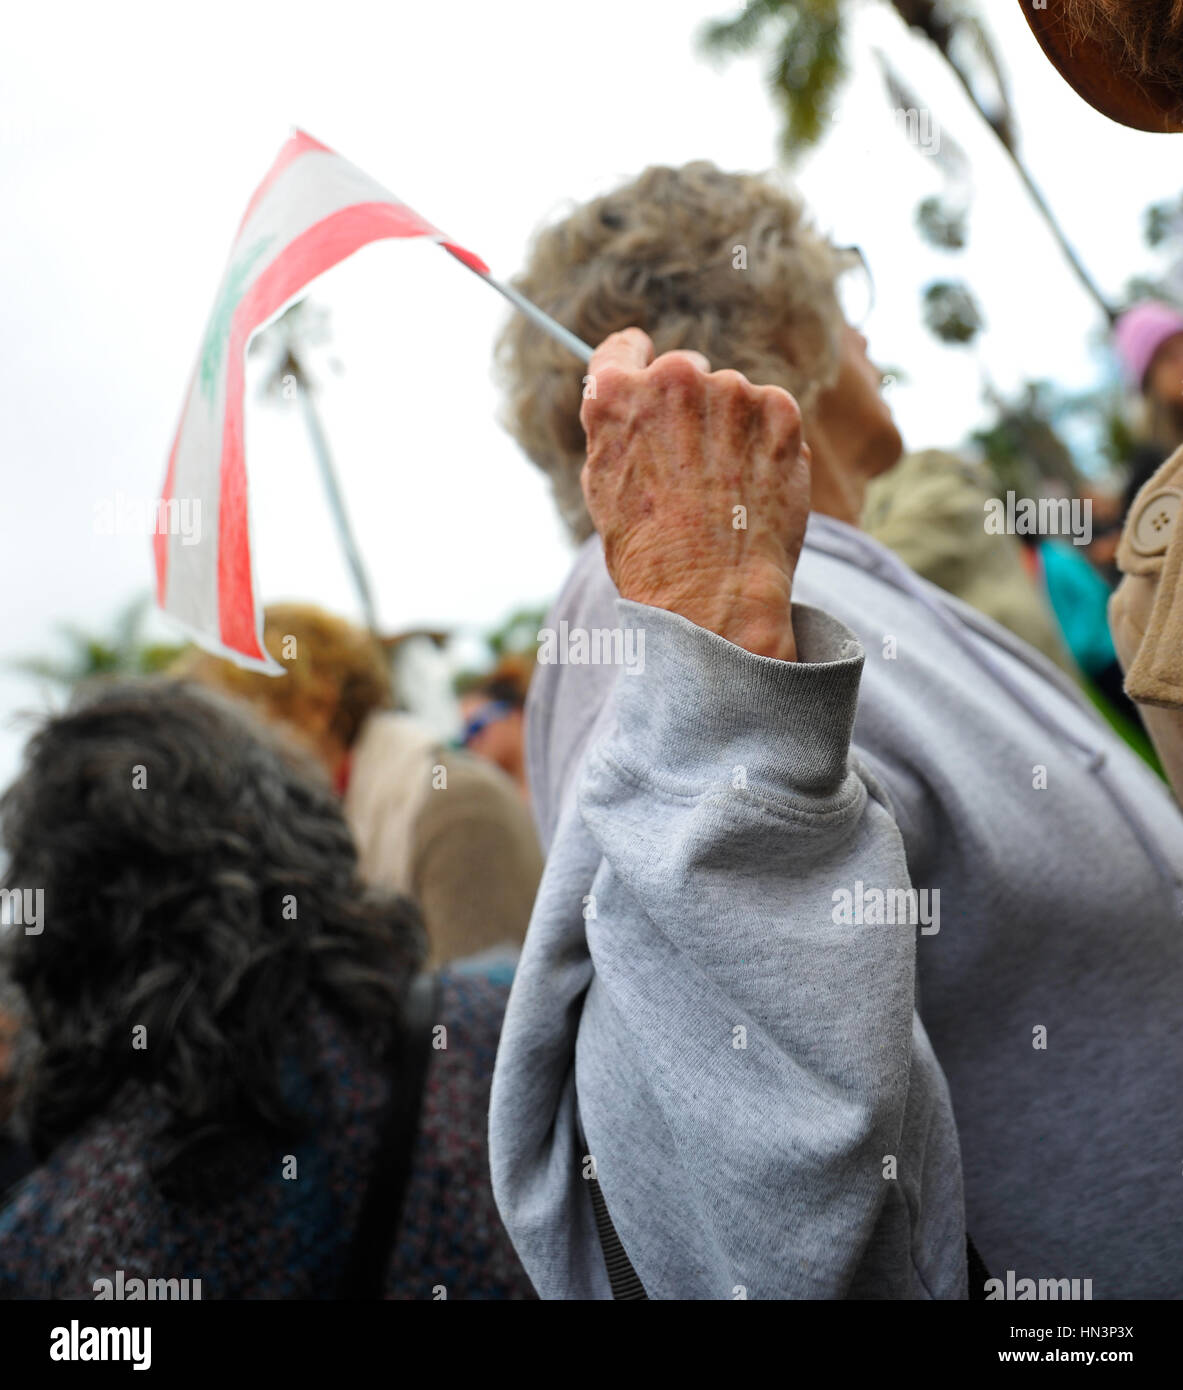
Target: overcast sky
131, 137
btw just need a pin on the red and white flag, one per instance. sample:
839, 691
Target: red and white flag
311, 211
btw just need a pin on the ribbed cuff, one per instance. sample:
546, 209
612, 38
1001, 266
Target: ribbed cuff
701, 704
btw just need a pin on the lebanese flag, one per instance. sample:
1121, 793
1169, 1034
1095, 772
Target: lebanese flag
311, 211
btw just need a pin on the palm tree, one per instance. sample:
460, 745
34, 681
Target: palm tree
288, 339
120, 652
808, 42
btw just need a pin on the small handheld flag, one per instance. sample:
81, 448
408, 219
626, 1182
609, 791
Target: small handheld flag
312, 211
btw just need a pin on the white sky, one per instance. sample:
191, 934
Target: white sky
131, 136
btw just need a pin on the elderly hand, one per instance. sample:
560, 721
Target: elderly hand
698, 483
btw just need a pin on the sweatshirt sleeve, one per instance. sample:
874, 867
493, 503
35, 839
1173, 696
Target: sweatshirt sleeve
763, 1108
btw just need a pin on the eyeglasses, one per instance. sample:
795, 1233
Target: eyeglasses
855, 287
480, 721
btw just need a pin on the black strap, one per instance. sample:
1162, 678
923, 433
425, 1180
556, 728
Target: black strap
978, 1273
382, 1207
623, 1278
626, 1283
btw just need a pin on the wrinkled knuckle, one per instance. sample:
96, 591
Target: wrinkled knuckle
632, 334
677, 371
780, 408
609, 383
733, 382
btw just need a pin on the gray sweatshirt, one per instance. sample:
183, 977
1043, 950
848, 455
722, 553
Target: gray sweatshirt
710, 997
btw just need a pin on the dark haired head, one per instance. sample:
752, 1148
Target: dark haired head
508, 683
505, 690
199, 881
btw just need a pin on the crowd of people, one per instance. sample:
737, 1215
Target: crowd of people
833, 951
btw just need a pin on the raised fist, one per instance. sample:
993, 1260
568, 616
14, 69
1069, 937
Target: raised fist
698, 483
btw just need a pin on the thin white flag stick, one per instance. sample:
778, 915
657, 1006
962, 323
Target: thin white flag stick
531, 311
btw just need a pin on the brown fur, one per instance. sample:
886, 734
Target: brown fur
1145, 37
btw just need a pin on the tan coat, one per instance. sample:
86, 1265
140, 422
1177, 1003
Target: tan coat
929, 510
446, 828
1146, 612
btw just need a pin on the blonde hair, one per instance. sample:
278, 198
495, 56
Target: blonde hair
725, 264
328, 659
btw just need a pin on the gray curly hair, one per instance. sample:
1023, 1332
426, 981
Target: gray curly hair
725, 264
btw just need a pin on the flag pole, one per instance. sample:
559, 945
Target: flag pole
519, 301
328, 477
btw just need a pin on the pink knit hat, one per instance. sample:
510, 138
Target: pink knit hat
1140, 332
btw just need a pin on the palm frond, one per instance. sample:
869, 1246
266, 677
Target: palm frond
950, 158
807, 39
728, 38
808, 69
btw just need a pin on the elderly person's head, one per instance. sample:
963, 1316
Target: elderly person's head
724, 264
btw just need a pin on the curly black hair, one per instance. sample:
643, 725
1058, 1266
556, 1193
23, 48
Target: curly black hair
199, 880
